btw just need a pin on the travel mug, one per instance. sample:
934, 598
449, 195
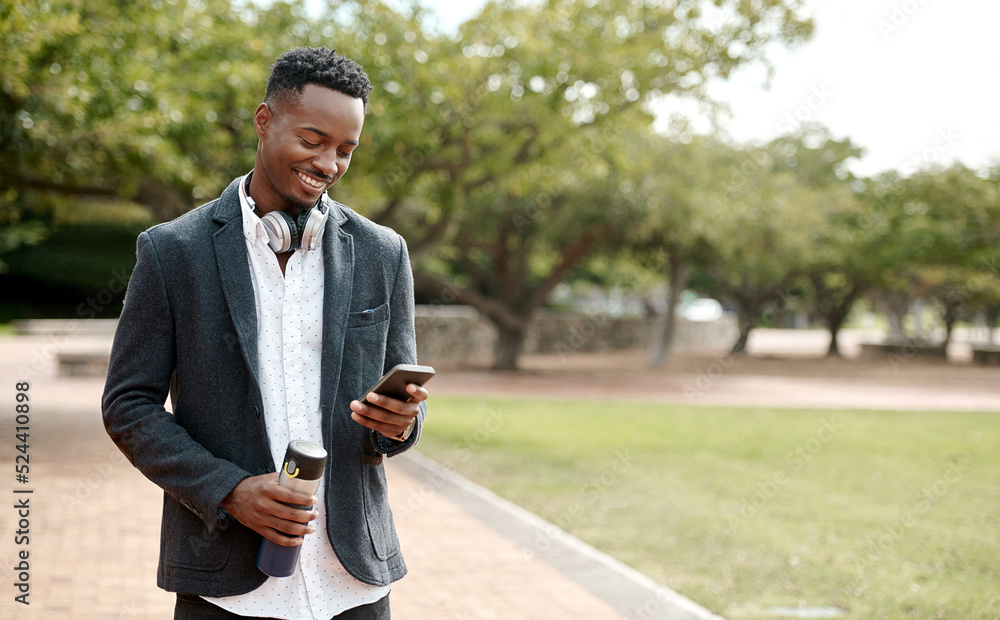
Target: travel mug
302, 471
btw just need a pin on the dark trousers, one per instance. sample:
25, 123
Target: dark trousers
196, 608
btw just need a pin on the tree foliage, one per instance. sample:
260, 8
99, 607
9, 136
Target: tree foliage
506, 152
934, 235
520, 168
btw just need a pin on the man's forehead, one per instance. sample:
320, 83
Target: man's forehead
321, 110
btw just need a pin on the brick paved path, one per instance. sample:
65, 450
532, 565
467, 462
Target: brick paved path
95, 521
94, 527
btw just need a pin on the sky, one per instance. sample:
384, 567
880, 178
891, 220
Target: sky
912, 82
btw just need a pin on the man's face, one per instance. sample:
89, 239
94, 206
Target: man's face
305, 146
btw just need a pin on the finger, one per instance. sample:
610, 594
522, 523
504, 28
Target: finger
294, 515
387, 403
383, 422
279, 537
387, 410
417, 393
387, 428
285, 495
290, 527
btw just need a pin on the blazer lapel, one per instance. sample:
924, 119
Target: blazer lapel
234, 271
338, 278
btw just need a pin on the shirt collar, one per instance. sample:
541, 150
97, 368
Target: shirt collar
253, 228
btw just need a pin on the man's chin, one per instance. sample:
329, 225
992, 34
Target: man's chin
297, 206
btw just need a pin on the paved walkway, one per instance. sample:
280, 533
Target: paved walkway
94, 528
94, 522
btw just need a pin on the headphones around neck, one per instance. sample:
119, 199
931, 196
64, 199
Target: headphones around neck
285, 233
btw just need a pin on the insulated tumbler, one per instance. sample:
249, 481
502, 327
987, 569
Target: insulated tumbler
302, 471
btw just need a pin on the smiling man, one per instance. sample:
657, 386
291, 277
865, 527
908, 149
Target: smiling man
263, 315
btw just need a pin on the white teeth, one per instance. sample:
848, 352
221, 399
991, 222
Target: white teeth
309, 181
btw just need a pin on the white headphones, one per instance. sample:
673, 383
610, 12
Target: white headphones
286, 233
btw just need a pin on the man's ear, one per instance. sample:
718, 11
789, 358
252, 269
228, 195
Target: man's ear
262, 118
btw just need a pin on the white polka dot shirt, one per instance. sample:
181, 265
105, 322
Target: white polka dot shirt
289, 351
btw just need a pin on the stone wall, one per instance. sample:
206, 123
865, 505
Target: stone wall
456, 336
450, 336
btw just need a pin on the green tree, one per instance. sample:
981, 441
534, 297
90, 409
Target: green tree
958, 212
671, 238
519, 159
145, 101
497, 147
762, 225
836, 269
934, 235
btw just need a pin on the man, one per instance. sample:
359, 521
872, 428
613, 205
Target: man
258, 341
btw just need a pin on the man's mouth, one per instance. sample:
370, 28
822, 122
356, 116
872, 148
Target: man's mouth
310, 181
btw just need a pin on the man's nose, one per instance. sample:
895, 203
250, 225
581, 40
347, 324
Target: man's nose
326, 162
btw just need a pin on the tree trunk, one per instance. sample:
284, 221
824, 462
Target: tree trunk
508, 346
894, 306
992, 315
833, 310
664, 337
950, 318
749, 308
834, 349
740, 346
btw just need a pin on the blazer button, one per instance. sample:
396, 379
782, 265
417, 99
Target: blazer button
256, 412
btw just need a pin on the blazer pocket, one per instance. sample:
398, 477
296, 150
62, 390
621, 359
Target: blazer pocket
378, 515
364, 349
189, 544
368, 317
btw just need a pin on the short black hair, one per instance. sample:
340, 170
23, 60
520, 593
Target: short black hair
315, 65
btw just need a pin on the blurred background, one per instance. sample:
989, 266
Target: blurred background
685, 221
795, 163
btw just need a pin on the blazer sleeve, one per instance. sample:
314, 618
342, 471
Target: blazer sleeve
143, 359
401, 345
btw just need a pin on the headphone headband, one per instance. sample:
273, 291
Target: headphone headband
285, 233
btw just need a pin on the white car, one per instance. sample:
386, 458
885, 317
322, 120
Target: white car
701, 310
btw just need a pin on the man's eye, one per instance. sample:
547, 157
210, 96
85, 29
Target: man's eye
308, 143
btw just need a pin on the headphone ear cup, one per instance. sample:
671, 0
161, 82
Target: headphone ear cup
282, 231
312, 224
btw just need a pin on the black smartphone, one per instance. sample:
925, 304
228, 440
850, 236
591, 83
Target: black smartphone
393, 383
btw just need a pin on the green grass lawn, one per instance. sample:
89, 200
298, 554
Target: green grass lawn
882, 514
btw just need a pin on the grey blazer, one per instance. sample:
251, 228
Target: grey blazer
189, 327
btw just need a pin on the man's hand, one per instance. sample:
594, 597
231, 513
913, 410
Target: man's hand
387, 415
256, 502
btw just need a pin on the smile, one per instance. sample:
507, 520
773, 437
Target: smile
311, 182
